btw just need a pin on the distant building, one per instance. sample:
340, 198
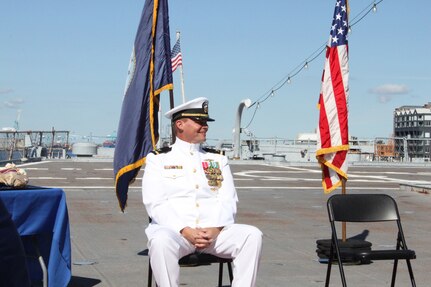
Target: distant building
385, 151
412, 131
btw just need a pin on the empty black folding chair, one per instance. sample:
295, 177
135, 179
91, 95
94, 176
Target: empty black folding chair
366, 208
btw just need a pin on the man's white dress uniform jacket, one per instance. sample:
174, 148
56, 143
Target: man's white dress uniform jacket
188, 186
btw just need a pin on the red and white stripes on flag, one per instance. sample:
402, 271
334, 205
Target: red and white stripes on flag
333, 135
176, 56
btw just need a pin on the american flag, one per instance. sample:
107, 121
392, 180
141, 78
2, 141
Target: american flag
176, 57
333, 134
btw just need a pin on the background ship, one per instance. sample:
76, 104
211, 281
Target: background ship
33, 145
37, 145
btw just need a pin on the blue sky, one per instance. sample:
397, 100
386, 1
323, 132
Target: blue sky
63, 64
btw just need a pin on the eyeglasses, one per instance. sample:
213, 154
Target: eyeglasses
202, 122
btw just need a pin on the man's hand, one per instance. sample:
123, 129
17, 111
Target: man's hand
201, 237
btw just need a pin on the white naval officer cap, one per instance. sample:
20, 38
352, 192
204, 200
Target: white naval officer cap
195, 109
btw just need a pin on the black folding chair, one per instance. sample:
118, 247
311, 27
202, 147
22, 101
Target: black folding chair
197, 259
366, 208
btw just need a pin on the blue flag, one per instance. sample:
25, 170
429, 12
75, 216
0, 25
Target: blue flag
150, 73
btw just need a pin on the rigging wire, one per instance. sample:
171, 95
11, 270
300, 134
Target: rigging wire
304, 64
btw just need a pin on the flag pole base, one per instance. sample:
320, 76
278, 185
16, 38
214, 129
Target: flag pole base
349, 245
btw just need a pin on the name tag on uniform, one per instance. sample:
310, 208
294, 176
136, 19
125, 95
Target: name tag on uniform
173, 167
173, 171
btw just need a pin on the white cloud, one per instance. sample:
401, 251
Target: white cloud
5, 91
390, 89
386, 92
13, 104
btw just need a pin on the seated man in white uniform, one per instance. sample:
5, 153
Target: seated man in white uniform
189, 194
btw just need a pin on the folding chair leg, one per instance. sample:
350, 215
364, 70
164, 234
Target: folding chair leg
150, 274
328, 272
41, 262
340, 262
412, 278
340, 265
220, 275
229, 268
44, 271
328, 269
394, 272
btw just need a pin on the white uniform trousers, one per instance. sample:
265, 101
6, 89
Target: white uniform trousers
241, 242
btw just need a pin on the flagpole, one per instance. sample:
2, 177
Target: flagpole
181, 75
159, 142
171, 104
